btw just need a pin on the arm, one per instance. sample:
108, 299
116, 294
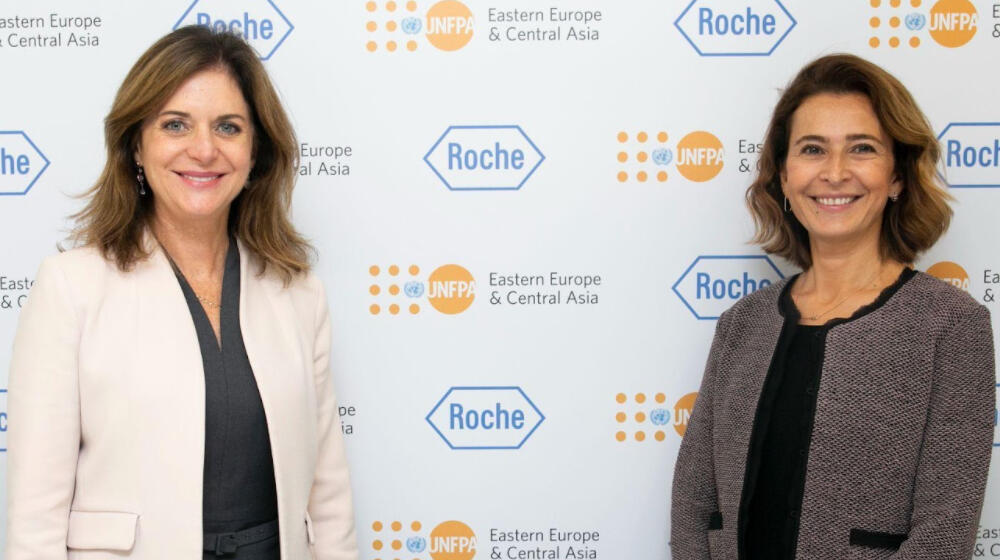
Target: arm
955, 456
694, 494
44, 432
330, 505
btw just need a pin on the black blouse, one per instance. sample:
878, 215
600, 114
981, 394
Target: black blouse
239, 487
779, 447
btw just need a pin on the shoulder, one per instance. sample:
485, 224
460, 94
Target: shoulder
87, 259
71, 282
81, 270
308, 287
763, 302
940, 304
757, 312
304, 290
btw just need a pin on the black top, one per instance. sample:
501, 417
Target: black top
783, 430
239, 488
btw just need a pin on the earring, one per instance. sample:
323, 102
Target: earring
786, 203
894, 197
140, 177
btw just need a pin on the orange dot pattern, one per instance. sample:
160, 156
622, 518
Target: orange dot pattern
644, 168
892, 25
641, 405
389, 39
395, 542
392, 291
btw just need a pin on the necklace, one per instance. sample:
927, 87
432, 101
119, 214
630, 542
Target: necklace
211, 303
870, 282
201, 299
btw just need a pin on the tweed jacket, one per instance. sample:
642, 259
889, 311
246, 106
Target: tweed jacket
107, 407
901, 439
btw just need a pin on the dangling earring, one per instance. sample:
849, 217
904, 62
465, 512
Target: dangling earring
141, 178
786, 203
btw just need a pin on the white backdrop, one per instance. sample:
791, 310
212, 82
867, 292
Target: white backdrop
516, 344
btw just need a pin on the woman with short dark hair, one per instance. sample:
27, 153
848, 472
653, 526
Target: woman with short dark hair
845, 413
170, 376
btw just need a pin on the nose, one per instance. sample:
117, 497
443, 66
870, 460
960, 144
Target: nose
202, 147
835, 169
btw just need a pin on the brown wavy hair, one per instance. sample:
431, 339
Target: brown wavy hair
910, 225
115, 218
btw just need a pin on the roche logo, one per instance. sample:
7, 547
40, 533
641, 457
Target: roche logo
3, 420
728, 28
971, 154
21, 162
485, 418
713, 283
484, 157
259, 22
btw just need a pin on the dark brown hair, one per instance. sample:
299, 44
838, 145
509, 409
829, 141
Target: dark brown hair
116, 217
910, 225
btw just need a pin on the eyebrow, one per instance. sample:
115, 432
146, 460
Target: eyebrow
850, 138
227, 116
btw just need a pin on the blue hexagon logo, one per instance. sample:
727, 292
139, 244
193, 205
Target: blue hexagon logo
714, 282
485, 418
728, 28
484, 157
259, 22
971, 153
21, 163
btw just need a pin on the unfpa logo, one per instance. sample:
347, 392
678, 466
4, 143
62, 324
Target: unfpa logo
728, 28
949, 23
485, 418
450, 289
21, 162
971, 154
713, 283
484, 157
952, 273
449, 540
447, 25
259, 22
652, 417
698, 157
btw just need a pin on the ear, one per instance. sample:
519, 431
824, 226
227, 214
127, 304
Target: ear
135, 155
895, 186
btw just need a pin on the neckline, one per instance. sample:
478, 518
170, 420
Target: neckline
787, 308
199, 313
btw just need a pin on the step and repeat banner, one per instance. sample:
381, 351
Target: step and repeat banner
528, 216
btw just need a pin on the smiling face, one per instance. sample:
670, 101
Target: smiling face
197, 150
838, 175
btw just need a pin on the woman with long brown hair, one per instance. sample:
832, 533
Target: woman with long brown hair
170, 376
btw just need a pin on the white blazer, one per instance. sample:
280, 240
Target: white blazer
107, 414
